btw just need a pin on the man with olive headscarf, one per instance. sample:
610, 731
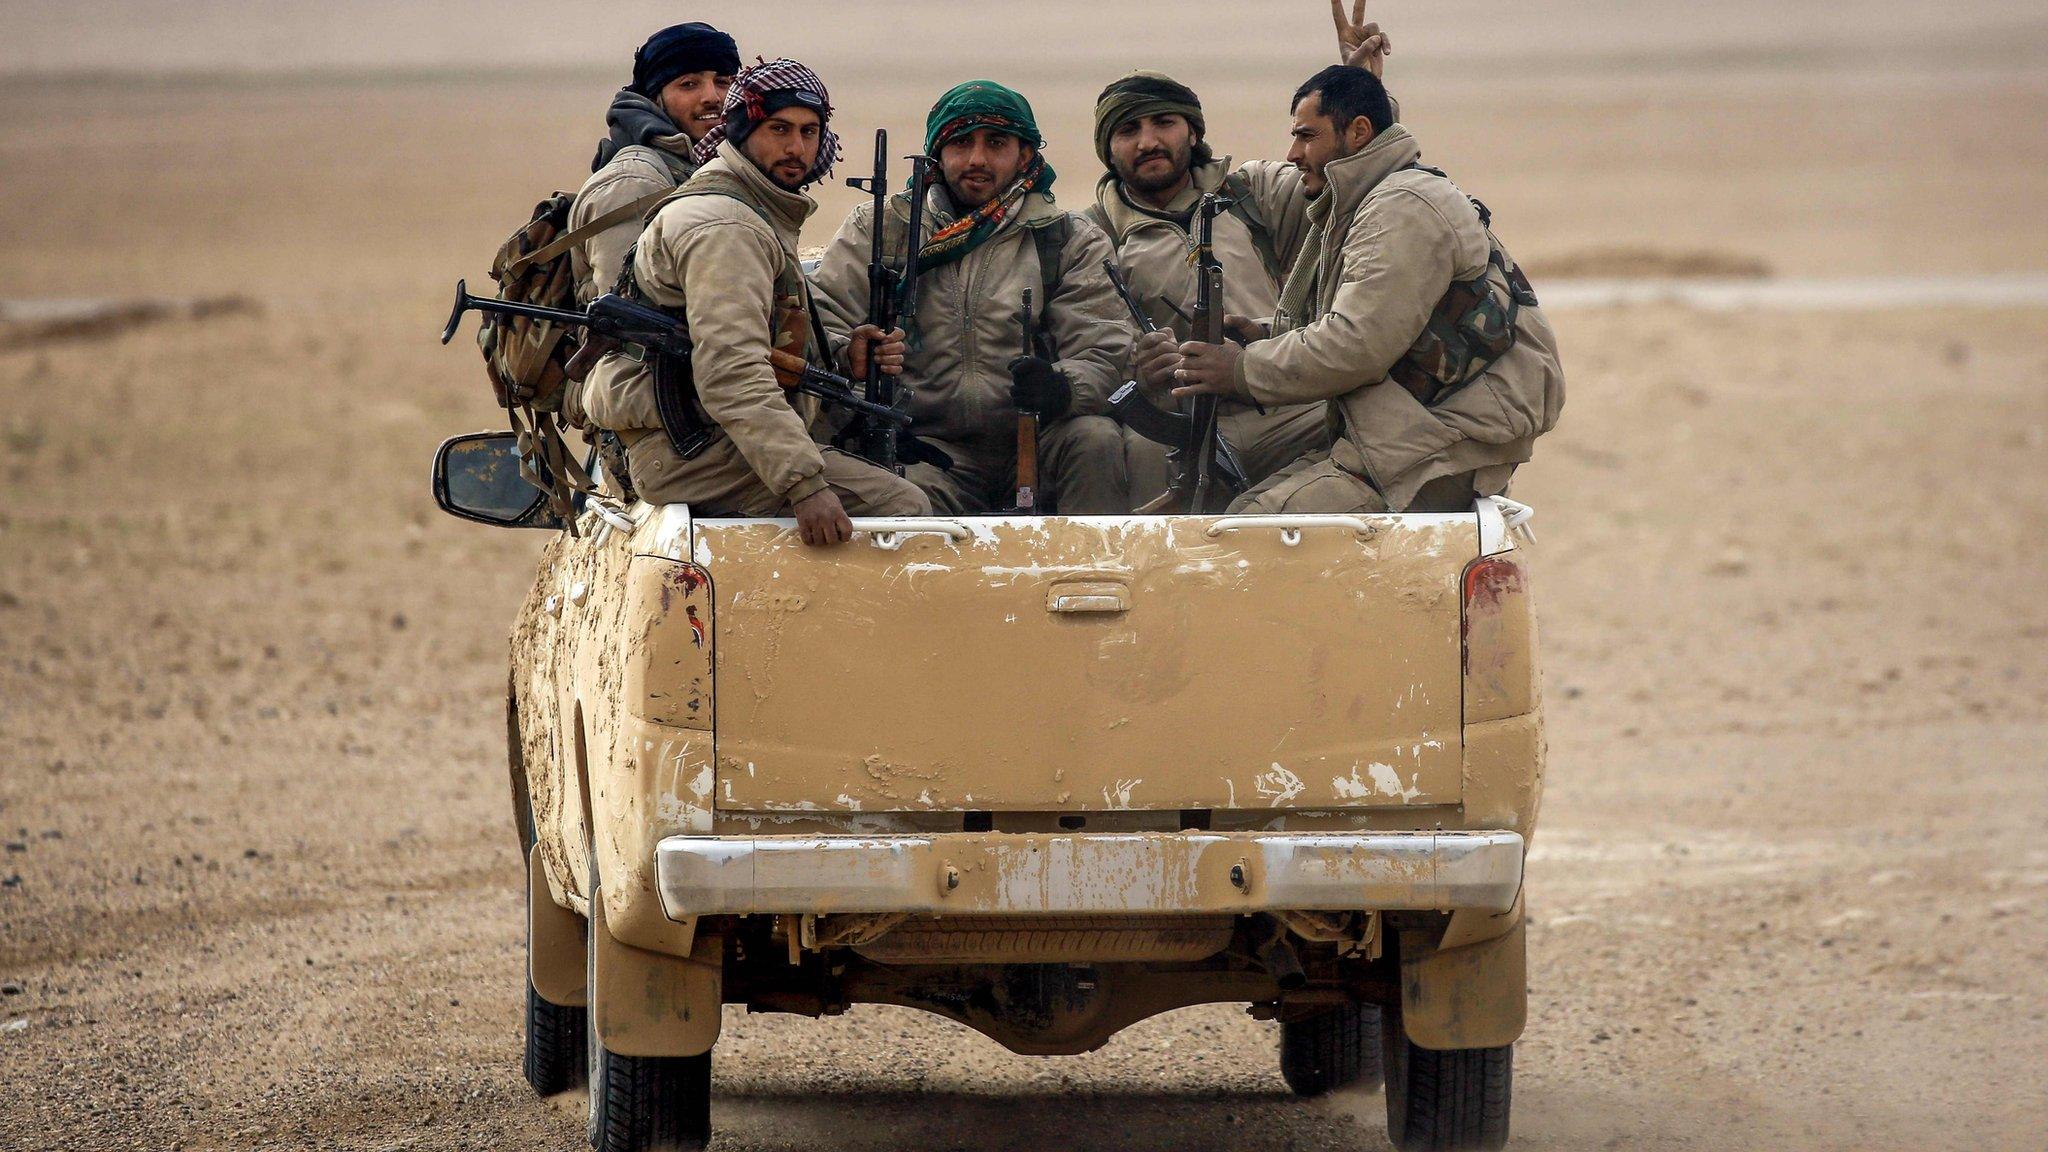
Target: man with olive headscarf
680, 77
1151, 136
993, 233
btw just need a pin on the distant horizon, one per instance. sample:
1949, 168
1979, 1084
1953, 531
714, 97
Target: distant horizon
127, 39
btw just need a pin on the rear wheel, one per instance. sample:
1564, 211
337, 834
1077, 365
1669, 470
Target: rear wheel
1445, 1101
1337, 1049
638, 1103
555, 1059
644, 1103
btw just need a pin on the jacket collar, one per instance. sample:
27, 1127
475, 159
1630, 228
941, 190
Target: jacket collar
1354, 177
1125, 217
786, 211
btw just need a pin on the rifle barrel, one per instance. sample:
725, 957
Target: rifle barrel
1123, 291
466, 303
838, 390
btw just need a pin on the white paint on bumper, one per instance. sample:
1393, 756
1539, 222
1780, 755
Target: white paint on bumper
1163, 873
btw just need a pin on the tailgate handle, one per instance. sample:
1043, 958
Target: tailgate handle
1290, 526
889, 535
1085, 596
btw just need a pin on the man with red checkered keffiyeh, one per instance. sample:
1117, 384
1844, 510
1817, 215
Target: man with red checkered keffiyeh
721, 254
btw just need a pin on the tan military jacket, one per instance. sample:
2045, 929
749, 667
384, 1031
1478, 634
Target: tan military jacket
636, 173
1396, 239
1157, 255
716, 260
968, 326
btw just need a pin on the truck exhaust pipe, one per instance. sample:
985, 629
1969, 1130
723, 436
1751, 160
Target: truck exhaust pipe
1282, 961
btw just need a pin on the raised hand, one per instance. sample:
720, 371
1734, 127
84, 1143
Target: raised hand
1359, 44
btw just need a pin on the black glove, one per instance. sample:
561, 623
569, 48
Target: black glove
1039, 388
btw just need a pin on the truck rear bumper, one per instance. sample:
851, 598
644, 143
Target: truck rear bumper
1082, 874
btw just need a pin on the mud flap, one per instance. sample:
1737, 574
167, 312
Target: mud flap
554, 941
647, 1004
1475, 996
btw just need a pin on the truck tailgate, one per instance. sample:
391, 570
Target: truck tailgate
1089, 664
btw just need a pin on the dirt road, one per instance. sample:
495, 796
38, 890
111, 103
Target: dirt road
259, 886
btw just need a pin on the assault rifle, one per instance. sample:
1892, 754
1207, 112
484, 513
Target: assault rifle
892, 295
1027, 423
1198, 476
616, 322
1175, 430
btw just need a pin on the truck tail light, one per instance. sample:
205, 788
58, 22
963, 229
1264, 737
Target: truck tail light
1499, 638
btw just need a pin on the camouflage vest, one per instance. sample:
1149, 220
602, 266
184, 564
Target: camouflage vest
1471, 327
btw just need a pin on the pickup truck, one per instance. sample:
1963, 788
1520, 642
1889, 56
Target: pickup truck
1045, 777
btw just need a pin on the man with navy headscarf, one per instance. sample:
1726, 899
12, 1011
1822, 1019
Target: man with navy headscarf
677, 96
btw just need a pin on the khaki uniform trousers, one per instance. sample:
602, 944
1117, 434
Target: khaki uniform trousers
1315, 484
1264, 445
1080, 466
720, 482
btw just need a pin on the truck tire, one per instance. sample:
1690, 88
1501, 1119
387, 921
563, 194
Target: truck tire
555, 1061
640, 1104
644, 1103
555, 1056
1453, 1101
1337, 1049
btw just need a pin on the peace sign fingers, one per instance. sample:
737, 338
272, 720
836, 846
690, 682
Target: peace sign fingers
1360, 44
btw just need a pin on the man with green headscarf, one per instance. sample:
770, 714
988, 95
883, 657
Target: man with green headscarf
1151, 136
992, 233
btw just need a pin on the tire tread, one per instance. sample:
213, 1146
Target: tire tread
554, 1062
1336, 1049
1456, 1101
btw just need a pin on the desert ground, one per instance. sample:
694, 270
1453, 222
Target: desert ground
260, 886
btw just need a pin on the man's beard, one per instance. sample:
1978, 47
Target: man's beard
960, 198
775, 176
1177, 171
1342, 153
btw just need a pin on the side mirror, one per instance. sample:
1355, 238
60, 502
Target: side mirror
477, 478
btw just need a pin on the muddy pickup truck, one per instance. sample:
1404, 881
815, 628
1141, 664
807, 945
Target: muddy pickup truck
1046, 777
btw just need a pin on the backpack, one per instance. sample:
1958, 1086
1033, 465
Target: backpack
527, 359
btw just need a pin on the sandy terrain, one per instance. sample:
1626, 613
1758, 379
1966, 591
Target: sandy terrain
259, 886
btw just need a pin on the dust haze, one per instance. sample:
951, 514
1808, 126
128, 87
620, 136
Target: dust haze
259, 885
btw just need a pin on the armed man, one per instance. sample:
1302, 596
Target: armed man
1151, 135
993, 237
1403, 314
680, 78
721, 255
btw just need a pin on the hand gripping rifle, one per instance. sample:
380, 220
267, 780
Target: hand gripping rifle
615, 322
1173, 429
892, 297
